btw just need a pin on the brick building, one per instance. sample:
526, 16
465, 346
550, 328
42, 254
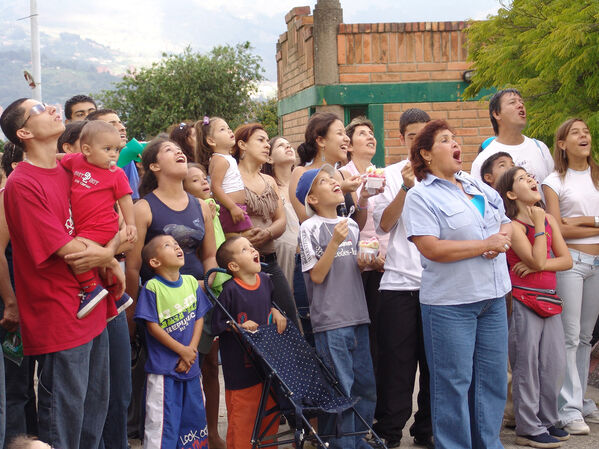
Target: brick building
377, 70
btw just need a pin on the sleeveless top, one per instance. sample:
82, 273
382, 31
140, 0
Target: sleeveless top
541, 279
232, 181
186, 226
261, 209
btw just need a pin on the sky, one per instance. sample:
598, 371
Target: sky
144, 29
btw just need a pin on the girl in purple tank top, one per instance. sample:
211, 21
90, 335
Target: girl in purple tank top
535, 343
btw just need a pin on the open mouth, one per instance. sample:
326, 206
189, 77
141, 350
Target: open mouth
257, 258
206, 189
337, 188
344, 148
456, 155
179, 254
584, 143
534, 188
181, 159
522, 114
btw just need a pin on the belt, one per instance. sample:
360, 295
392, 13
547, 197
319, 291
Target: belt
268, 258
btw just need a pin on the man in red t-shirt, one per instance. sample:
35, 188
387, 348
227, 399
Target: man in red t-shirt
73, 354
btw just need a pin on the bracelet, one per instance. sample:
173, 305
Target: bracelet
361, 207
405, 188
539, 234
596, 221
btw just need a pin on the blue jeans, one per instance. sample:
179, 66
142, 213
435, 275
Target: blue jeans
114, 435
73, 395
466, 350
346, 352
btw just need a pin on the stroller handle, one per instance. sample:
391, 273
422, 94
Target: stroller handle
209, 273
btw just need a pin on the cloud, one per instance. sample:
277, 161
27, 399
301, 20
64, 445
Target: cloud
144, 29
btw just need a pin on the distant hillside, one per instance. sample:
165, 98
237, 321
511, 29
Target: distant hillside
70, 65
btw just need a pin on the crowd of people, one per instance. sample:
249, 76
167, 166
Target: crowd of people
484, 283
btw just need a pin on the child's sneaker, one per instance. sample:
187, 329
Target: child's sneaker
90, 300
122, 303
541, 441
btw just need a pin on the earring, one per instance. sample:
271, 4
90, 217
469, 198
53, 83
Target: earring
322, 155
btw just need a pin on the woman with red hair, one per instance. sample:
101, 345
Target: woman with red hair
459, 226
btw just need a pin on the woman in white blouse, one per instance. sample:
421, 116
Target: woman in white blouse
572, 193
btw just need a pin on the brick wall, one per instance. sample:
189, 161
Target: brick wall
470, 120
401, 52
385, 53
294, 126
295, 53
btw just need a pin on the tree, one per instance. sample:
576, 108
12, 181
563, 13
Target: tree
186, 86
265, 112
547, 49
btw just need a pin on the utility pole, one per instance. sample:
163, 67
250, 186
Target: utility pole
35, 51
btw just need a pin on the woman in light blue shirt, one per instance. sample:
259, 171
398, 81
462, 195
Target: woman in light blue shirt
459, 226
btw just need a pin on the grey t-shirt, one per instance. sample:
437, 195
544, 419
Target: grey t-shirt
339, 301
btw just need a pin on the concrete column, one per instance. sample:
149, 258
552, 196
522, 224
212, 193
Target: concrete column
327, 16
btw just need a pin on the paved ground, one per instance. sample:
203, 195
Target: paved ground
508, 437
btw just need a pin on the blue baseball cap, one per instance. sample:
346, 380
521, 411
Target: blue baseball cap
305, 182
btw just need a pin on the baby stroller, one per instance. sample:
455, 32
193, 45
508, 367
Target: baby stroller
301, 384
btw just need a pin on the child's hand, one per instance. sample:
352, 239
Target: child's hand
279, 320
188, 355
182, 367
236, 214
522, 270
250, 325
131, 231
536, 214
212, 207
340, 232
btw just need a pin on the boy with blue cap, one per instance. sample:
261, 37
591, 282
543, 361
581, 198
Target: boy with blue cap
338, 312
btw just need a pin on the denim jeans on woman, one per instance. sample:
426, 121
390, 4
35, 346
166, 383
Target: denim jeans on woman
466, 350
578, 287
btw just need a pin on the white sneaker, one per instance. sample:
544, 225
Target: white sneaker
592, 417
577, 427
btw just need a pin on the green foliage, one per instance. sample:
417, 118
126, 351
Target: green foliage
186, 86
547, 49
2, 146
265, 112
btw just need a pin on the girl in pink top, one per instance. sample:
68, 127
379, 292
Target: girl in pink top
536, 344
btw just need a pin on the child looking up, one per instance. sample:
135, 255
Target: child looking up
97, 183
196, 183
495, 166
338, 312
536, 343
248, 297
171, 307
215, 141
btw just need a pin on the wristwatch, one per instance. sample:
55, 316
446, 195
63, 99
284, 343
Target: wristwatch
597, 221
405, 188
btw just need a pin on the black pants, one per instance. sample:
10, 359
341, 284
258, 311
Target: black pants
282, 291
372, 281
400, 352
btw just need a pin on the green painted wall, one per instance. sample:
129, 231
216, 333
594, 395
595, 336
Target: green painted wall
355, 94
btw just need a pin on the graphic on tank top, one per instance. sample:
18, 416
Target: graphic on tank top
189, 239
